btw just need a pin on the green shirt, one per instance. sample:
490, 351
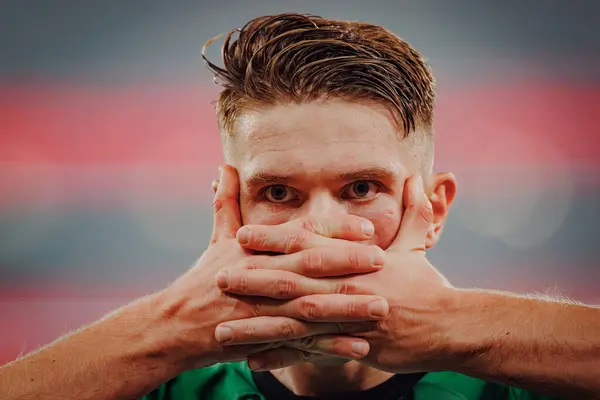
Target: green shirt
235, 381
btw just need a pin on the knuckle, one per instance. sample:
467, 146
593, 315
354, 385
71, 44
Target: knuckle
313, 261
286, 330
422, 209
313, 225
247, 331
308, 342
381, 326
308, 224
250, 263
426, 212
348, 226
355, 258
256, 310
295, 241
345, 288
350, 309
284, 287
217, 204
310, 309
240, 282
259, 238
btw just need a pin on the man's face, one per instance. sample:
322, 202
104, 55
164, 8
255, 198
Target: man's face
321, 159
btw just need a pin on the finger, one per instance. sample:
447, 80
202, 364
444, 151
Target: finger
241, 353
315, 348
327, 308
285, 276
304, 233
259, 330
328, 261
347, 227
215, 185
276, 284
280, 238
416, 219
226, 207
278, 358
332, 345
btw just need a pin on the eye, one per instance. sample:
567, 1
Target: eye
278, 194
361, 190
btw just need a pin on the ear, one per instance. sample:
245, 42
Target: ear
441, 190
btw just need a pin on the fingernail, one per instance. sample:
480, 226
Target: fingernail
367, 228
256, 364
222, 279
220, 172
377, 259
223, 334
360, 348
379, 308
243, 235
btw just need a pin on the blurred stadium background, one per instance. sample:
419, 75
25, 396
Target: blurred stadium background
108, 145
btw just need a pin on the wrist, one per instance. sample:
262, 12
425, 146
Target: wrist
149, 339
476, 325
186, 336
447, 343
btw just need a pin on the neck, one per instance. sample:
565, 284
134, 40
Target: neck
308, 379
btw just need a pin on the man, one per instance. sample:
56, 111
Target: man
325, 289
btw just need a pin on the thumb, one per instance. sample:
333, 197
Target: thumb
215, 185
226, 205
416, 219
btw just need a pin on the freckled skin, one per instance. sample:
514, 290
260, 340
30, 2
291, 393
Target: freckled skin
313, 143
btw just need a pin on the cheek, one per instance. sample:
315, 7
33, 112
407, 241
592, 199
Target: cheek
386, 219
385, 215
262, 214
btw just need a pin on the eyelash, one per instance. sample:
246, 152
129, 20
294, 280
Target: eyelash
264, 193
378, 185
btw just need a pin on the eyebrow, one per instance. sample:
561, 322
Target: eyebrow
373, 173
262, 178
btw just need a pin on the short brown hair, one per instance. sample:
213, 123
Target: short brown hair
298, 58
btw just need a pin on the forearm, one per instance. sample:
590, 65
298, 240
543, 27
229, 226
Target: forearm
546, 346
119, 357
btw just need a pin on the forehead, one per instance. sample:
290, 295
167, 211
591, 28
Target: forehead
316, 139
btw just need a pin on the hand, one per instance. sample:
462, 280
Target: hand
193, 305
410, 338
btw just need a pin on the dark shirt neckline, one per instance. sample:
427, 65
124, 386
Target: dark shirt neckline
398, 387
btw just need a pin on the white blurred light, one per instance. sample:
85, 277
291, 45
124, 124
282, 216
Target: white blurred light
552, 208
521, 203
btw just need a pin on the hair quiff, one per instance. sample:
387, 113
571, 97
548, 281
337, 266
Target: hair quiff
299, 58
